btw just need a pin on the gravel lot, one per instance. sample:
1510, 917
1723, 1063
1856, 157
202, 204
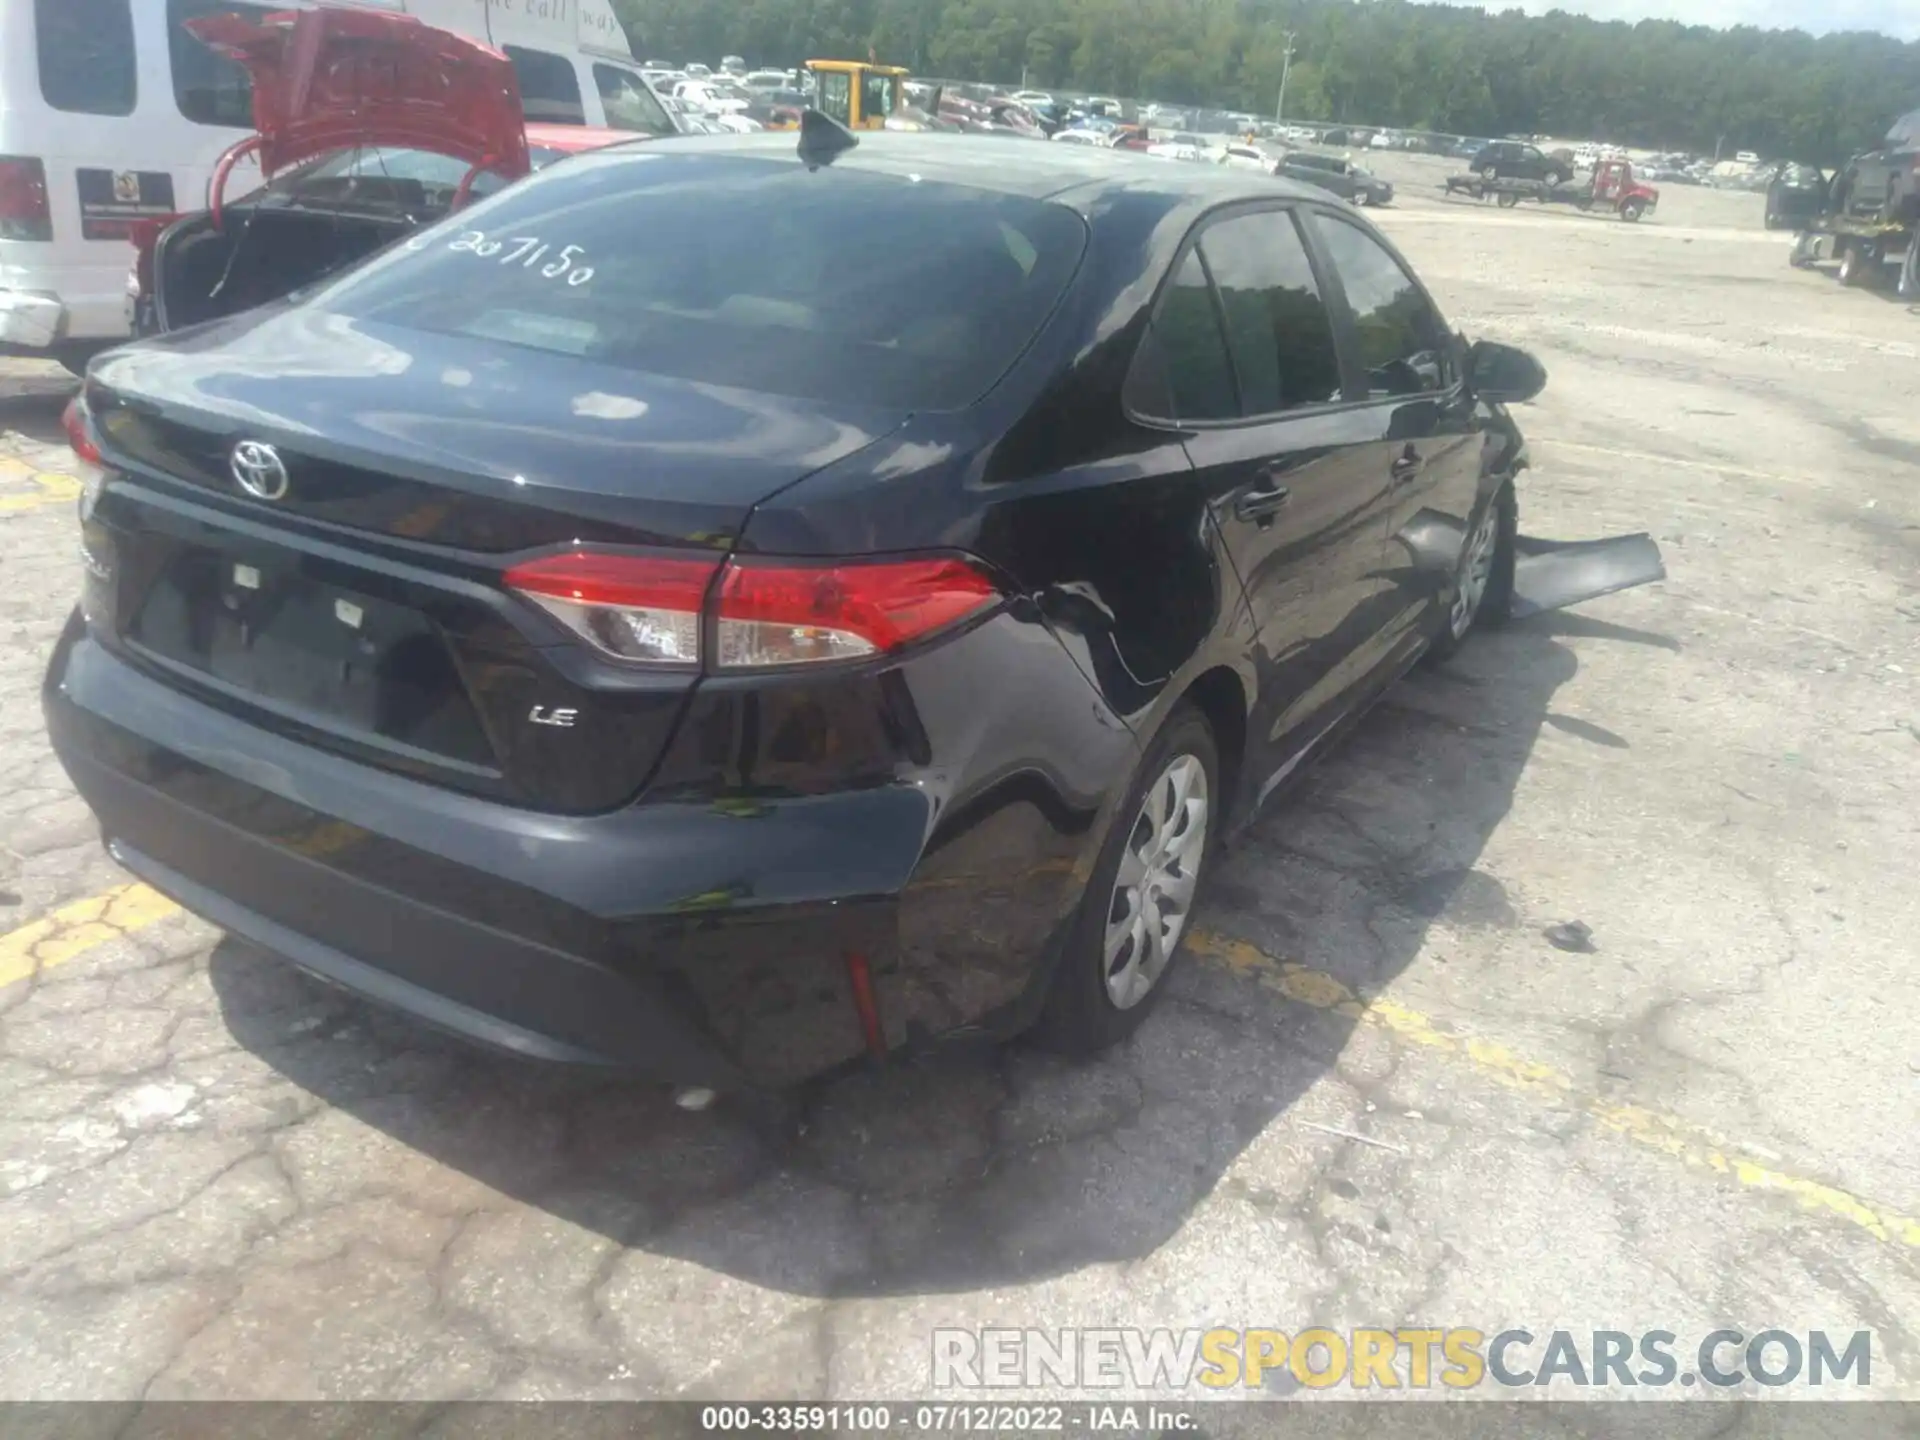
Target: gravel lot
220, 1181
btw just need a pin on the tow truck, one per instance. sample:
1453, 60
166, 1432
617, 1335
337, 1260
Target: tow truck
1613, 187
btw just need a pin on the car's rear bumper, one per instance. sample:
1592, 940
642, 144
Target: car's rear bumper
679, 941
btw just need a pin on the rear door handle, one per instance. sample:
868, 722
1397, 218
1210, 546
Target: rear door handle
1260, 502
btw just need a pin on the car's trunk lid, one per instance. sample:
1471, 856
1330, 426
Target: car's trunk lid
362, 607
330, 79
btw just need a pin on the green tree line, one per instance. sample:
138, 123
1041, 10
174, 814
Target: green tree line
1437, 67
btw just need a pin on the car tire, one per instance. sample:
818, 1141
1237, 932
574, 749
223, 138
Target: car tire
1100, 991
1506, 199
1632, 211
1359, 198
1908, 286
1855, 269
1482, 593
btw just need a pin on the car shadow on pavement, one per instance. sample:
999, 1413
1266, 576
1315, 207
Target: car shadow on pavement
983, 1167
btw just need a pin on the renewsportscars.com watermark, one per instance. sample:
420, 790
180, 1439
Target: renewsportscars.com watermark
1401, 1358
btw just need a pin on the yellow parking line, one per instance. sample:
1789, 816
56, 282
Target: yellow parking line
51, 487
73, 930
1651, 1129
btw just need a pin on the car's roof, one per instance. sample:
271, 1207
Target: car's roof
1016, 167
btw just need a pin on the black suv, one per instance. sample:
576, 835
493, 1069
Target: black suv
1885, 182
1512, 160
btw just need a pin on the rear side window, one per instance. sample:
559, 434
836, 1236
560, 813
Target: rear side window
549, 90
629, 104
837, 284
87, 62
1404, 346
1186, 358
1278, 329
209, 88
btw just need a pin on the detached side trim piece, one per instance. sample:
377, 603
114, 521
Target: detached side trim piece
1553, 574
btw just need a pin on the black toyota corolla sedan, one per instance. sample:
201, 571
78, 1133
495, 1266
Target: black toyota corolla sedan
718, 611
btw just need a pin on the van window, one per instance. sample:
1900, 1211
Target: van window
629, 104
209, 88
549, 90
86, 55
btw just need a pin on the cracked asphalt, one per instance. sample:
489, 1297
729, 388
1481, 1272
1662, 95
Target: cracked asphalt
1375, 1094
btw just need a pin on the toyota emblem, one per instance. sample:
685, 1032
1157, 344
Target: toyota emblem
260, 470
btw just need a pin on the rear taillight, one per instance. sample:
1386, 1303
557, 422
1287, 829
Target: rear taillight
789, 613
764, 613
77, 420
88, 468
24, 211
636, 607
96, 546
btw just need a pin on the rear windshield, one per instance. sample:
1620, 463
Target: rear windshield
86, 55
831, 284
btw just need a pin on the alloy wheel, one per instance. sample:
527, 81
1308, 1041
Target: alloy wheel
1476, 569
1153, 892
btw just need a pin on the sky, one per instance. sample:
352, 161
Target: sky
1891, 17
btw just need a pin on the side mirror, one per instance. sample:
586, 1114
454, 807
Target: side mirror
1504, 374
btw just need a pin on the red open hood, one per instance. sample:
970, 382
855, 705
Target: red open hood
332, 79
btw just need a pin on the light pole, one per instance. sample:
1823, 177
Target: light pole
1286, 66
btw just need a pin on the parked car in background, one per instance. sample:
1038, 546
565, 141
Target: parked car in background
618, 659
766, 81
1518, 160
1185, 145
1099, 139
1338, 175
733, 65
1884, 182
1795, 195
1250, 157
713, 97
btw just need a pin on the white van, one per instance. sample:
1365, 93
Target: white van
110, 113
